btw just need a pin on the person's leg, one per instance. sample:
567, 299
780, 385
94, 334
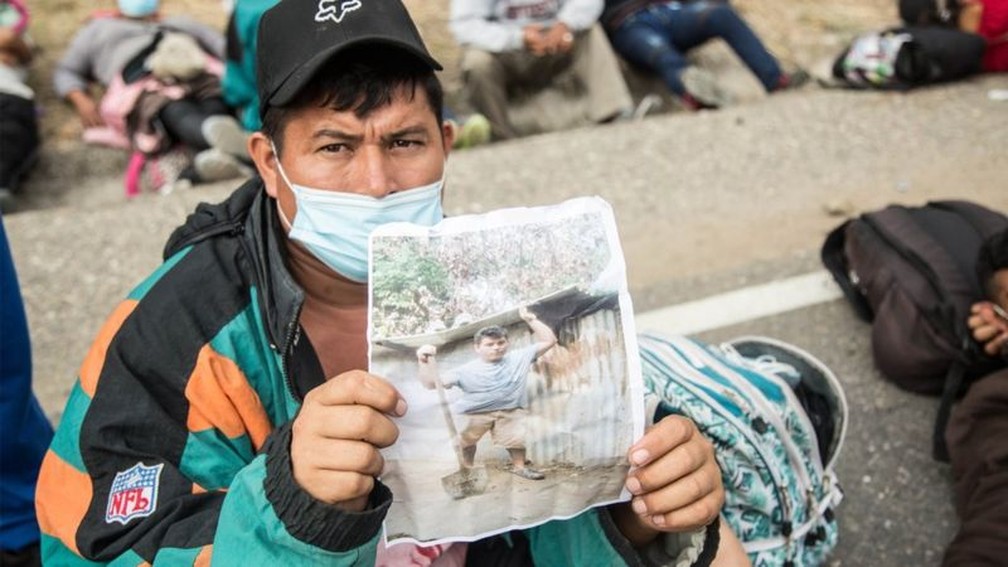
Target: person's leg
485, 81
509, 432
183, 119
26, 431
205, 124
207, 127
644, 42
477, 425
19, 139
597, 68
707, 19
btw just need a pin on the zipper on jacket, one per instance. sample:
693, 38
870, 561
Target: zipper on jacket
291, 340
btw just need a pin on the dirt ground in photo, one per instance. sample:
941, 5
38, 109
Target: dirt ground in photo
508, 499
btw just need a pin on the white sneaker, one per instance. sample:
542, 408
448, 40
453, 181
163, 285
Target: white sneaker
215, 165
646, 105
703, 87
226, 134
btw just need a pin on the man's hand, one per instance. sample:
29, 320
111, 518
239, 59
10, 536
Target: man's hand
426, 354
988, 328
337, 434
534, 38
558, 38
86, 109
427, 372
675, 482
526, 315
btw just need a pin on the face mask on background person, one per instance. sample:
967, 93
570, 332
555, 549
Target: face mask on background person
138, 8
335, 226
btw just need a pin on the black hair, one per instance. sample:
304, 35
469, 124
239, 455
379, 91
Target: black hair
363, 80
491, 332
993, 257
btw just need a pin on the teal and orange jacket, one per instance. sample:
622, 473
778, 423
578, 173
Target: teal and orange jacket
173, 448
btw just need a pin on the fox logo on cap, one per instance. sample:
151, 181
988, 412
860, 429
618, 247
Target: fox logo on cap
327, 9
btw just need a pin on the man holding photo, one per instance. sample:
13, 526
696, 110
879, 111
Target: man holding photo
494, 384
224, 411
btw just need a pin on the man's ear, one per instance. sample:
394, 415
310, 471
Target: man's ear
261, 151
448, 134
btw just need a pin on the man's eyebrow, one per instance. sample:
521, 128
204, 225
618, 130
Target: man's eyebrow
336, 135
417, 130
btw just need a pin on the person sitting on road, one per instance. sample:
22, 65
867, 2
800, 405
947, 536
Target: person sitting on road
987, 18
224, 411
494, 385
989, 318
162, 81
655, 35
19, 135
514, 49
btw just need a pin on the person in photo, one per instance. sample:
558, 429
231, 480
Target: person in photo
495, 398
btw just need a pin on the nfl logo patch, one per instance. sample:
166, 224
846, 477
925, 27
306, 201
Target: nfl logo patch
134, 493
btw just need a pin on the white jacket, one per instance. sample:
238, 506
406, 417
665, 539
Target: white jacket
496, 25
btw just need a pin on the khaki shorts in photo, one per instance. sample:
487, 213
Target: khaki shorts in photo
507, 428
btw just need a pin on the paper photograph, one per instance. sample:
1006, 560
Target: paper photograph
510, 335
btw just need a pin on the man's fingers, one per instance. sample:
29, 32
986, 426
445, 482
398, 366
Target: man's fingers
335, 487
693, 516
984, 333
353, 423
360, 388
662, 438
342, 456
674, 466
674, 494
996, 346
338, 472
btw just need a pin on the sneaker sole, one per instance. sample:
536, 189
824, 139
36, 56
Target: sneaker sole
213, 165
227, 135
703, 87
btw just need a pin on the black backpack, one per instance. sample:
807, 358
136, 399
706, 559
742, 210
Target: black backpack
928, 12
910, 271
907, 57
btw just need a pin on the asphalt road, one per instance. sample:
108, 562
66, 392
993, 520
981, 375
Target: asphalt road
705, 204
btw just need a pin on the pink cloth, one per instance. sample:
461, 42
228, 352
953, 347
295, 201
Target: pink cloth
20, 8
133, 172
119, 101
994, 28
409, 555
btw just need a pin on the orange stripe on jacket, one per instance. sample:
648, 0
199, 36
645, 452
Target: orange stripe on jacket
220, 397
203, 558
63, 495
95, 360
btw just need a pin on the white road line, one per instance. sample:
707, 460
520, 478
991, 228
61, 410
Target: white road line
741, 305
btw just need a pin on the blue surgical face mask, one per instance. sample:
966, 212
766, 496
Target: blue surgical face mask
138, 8
335, 226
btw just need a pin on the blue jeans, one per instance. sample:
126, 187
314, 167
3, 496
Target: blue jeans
25, 432
656, 39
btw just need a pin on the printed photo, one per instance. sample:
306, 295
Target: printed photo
510, 335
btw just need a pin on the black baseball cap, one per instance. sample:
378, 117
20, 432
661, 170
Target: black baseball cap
297, 37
